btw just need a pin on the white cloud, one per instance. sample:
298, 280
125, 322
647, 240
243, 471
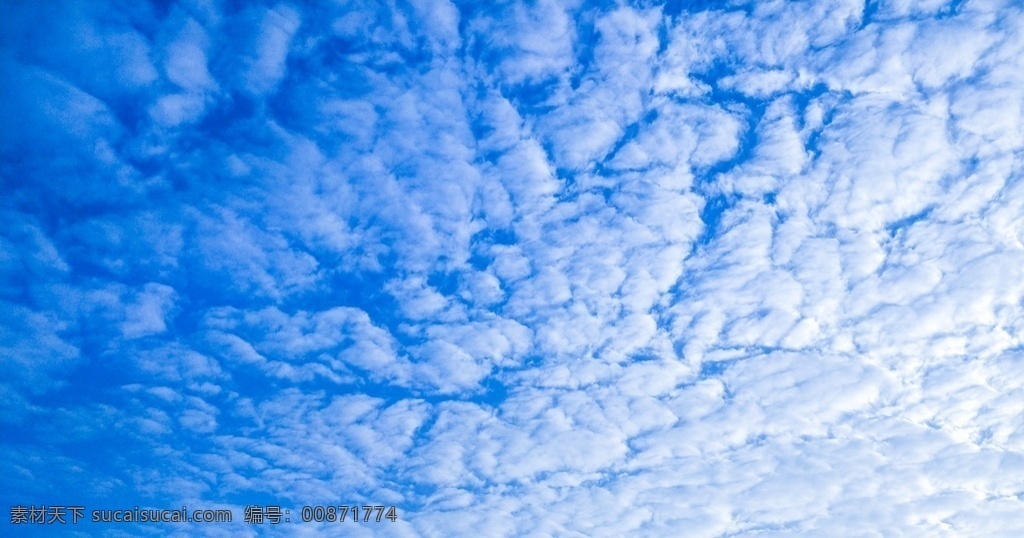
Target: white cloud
548, 269
538, 40
186, 62
275, 33
147, 314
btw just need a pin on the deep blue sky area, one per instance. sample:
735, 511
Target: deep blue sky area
546, 268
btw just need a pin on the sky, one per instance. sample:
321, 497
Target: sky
546, 268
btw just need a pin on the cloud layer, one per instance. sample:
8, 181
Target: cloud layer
544, 268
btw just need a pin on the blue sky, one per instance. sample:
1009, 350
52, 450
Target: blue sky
542, 268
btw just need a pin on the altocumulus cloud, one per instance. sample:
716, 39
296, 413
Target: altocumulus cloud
541, 268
